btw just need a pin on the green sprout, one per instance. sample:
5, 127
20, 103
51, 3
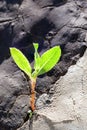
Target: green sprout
30, 113
42, 64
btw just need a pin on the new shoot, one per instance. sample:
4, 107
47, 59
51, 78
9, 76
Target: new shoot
42, 64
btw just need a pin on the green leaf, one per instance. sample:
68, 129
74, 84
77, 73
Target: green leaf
49, 60
35, 46
21, 61
36, 57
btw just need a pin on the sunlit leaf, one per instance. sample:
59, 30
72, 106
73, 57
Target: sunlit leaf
49, 60
21, 61
37, 58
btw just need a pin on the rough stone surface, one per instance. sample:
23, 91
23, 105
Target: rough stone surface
68, 111
14, 96
50, 23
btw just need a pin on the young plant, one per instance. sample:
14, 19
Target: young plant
42, 64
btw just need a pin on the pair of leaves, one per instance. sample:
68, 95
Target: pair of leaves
42, 63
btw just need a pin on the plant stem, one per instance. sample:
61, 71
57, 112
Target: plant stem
33, 94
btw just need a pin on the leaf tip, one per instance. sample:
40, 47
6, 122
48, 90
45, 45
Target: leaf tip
35, 46
59, 49
10, 48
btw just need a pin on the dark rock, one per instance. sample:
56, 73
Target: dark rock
43, 84
47, 3
14, 97
50, 23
